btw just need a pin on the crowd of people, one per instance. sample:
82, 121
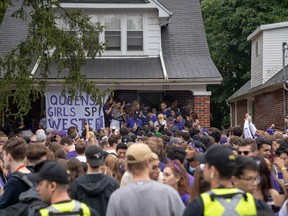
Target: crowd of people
145, 162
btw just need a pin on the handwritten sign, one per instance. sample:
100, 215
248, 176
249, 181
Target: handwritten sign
63, 111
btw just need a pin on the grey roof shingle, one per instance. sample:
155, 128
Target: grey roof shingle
135, 68
12, 30
278, 78
184, 42
184, 45
105, 1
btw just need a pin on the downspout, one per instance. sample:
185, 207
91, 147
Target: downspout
36, 66
284, 44
163, 65
230, 113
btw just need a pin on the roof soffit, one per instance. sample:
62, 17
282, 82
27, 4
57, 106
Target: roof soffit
163, 12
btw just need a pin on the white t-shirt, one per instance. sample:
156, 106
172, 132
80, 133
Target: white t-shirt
81, 158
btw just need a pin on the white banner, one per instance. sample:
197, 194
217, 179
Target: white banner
62, 112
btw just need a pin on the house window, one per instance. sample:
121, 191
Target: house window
113, 32
88, 44
257, 48
134, 32
65, 26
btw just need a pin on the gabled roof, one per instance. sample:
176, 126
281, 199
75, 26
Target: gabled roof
105, 1
118, 4
184, 45
277, 80
266, 27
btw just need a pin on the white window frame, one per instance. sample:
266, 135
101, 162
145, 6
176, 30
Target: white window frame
133, 30
123, 23
123, 27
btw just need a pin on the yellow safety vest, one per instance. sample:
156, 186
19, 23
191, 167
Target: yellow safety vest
228, 202
72, 206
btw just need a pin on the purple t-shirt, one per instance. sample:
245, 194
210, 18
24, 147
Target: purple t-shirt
191, 179
131, 121
180, 125
71, 154
274, 183
185, 198
105, 107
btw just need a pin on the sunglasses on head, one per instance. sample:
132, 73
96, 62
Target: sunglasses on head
243, 152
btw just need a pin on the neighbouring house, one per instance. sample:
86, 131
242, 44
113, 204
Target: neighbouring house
264, 96
158, 51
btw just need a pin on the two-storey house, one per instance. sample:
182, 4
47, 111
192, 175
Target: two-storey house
156, 50
264, 96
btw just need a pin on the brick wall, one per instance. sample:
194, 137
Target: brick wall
232, 114
202, 108
269, 109
241, 111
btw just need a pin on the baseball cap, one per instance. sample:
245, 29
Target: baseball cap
221, 157
121, 146
137, 153
198, 146
126, 139
94, 156
175, 140
27, 133
270, 131
204, 131
40, 137
49, 130
51, 171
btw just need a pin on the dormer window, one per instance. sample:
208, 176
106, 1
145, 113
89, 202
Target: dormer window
134, 33
113, 32
123, 33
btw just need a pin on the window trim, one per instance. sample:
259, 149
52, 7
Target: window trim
123, 29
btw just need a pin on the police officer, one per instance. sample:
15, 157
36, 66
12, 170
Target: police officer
52, 186
223, 198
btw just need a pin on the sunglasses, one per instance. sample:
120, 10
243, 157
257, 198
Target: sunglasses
243, 152
251, 180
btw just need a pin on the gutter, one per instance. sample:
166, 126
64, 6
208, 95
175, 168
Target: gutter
230, 107
163, 65
36, 66
142, 82
285, 89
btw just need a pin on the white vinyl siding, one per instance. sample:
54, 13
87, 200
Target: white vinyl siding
153, 34
257, 61
272, 51
129, 37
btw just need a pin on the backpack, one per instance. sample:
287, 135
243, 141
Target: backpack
29, 201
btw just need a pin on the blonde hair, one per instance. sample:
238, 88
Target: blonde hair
110, 161
105, 170
160, 117
278, 135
